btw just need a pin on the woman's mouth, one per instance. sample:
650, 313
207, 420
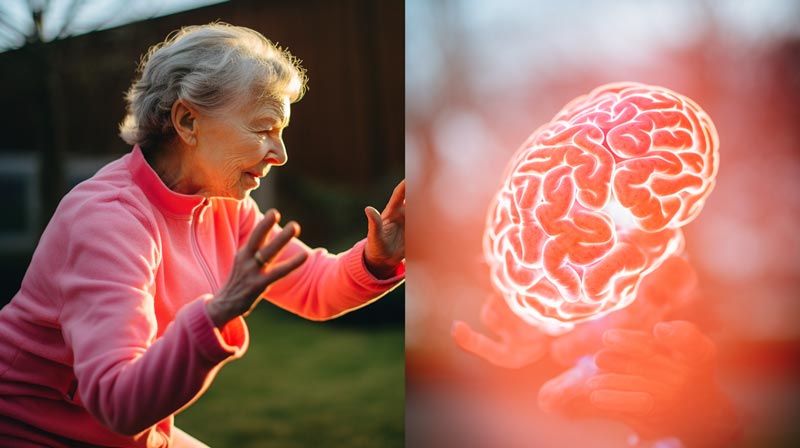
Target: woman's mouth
254, 179
258, 173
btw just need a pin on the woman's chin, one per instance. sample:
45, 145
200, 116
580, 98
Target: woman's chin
248, 184
241, 194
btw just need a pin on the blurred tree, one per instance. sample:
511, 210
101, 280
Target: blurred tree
29, 25
28, 22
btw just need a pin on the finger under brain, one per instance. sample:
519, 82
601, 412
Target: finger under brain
637, 403
632, 342
466, 337
657, 367
478, 344
628, 383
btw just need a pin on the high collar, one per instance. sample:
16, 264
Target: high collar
181, 205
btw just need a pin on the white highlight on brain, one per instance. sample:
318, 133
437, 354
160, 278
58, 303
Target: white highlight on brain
594, 201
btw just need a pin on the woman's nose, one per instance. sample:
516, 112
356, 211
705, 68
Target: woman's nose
276, 155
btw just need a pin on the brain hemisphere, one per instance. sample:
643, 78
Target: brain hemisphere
594, 201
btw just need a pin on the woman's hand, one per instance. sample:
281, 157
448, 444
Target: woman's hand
386, 238
518, 343
254, 269
660, 383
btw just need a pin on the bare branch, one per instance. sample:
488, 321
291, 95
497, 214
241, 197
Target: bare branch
5, 24
118, 8
10, 40
63, 17
69, 17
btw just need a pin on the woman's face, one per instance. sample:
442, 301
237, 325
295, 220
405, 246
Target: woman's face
236, 149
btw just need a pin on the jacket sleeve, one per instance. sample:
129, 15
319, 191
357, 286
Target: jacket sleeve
326, 285
127, 378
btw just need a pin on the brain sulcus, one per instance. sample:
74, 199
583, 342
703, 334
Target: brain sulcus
594, 201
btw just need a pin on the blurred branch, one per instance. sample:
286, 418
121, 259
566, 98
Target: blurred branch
45, 15
69, 17
13, 31
7, 26
119, 7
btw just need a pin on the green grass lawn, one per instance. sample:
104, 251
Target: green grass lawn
306, 384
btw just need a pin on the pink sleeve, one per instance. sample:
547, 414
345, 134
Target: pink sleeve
128, 379
326, 285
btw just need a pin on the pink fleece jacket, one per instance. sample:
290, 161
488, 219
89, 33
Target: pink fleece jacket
108, 336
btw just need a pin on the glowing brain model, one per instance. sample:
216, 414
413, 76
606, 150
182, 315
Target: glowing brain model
594, 201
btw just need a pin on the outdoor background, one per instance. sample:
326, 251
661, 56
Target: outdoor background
481, 76
335, 384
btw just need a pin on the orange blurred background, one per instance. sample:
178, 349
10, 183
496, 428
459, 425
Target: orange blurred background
480, 79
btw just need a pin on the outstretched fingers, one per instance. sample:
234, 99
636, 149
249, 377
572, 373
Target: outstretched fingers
271, 250
256, 266
503, 353
477, 343
396, 205
282, 269
261, 232
374, 220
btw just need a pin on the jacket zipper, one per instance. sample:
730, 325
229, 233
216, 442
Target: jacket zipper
196, 247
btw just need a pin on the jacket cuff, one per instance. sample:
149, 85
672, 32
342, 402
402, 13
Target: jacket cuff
357, 267
213, 343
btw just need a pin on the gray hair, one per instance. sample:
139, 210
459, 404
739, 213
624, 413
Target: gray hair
214, 67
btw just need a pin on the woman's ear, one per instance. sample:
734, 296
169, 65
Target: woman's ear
183, 120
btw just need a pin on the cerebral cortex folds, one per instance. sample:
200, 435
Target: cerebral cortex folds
595, 200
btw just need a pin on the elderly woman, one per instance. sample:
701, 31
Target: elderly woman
135, 295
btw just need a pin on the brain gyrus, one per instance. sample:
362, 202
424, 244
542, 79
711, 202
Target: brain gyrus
594, 201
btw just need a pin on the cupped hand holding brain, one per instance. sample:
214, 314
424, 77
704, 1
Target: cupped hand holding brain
594, 201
